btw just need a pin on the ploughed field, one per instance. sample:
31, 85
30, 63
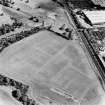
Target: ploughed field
83, 4
47, 62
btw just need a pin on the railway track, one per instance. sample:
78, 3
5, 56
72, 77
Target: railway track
100, 68
99, 71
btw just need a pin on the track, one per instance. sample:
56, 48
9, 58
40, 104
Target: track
100, 73
100, 68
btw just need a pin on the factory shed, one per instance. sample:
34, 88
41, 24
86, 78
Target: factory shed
96, 17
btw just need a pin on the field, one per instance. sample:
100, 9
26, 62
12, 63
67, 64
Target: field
53, 67
99, 2
46, 61
83, 4
5, 19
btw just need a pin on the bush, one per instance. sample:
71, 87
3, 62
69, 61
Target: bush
6, 28
5, 42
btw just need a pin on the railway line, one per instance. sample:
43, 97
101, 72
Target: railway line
100, 68
99, 71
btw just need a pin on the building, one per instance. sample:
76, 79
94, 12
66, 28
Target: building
96, 17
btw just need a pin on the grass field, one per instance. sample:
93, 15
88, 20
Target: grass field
46, 61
